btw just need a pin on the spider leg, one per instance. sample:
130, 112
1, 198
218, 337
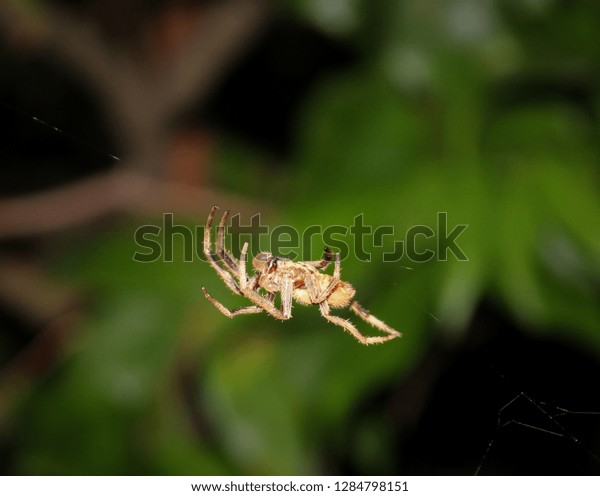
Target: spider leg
348, 326
231, 313
227, 278
374, 321
286, 297
311, 287
324, 262
226, 257
323, 295
247, 289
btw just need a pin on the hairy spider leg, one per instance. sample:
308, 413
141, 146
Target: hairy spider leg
324, 262
231, 313
228, 259
374, 321
323, 295
348, 326
237, 311
249, 292
227, 278
315, 294
286, 297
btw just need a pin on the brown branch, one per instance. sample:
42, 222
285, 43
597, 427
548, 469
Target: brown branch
115, 191
141, 108
131, 94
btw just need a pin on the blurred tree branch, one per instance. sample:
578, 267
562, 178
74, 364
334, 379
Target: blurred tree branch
120, 190
140, 95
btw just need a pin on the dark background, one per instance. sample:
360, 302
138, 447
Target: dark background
310, 112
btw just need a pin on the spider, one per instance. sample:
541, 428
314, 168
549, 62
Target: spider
303, 281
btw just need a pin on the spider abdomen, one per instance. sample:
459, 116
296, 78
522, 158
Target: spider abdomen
342, 295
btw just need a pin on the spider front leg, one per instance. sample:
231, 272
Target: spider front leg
227, 258
249, 291
212, 258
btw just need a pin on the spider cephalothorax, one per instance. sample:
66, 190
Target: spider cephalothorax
301, 281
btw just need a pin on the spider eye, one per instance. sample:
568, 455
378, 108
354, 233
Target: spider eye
261, 260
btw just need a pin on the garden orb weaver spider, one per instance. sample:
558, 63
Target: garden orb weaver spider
300, 281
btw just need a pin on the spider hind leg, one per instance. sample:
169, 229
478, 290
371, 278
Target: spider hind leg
349, 327
374, 321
